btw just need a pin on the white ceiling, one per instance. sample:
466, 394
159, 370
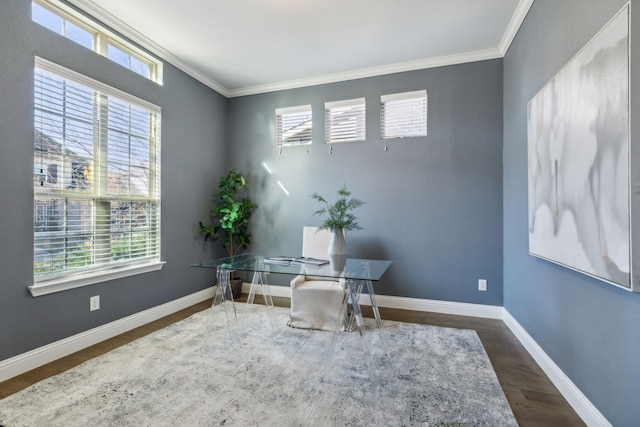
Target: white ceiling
241, 47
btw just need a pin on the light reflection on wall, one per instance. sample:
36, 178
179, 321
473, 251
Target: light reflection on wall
264, 165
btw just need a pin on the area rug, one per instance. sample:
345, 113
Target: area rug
193, 374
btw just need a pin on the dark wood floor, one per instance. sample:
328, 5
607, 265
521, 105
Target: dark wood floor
533, 398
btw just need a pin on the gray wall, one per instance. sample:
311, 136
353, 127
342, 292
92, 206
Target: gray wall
433, 204
589, 328
193, 152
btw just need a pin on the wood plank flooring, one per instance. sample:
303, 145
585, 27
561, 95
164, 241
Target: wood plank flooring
533, 398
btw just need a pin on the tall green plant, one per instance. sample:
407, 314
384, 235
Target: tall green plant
340, 214
230, 215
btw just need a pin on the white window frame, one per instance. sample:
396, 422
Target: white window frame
99, 272
290, 118
103, 37
345, 121
403, 115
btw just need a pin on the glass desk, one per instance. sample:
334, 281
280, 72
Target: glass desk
357, 273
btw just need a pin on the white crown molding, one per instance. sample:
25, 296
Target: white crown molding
514, 25
108, 19
370, 72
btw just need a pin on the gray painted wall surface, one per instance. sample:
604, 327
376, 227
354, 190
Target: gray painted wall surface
589, 328
433, 204
193, 128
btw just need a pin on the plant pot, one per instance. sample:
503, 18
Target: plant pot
337, 250
236, 289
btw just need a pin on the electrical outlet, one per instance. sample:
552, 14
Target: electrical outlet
94, 303
482, 284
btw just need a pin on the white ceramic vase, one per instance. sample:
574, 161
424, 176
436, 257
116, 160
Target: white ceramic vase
337, 250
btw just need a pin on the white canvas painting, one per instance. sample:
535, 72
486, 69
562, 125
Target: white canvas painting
578, 153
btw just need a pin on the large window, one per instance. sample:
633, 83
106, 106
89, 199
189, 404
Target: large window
345, 121
96, 180
67, 22
403, 115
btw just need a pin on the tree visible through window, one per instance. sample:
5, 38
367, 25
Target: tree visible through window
96, 175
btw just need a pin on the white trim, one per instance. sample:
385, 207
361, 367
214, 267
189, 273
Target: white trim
416, 304
275, 291
66, 73
514, 25
17, 365
435, 306
99, 13
105, 36
578, 401
102, 15
71, 282
295, 109
369, 72
356, 102
416, 94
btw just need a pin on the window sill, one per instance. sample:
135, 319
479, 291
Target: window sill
63, 284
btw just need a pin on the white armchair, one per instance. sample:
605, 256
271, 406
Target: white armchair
316, 302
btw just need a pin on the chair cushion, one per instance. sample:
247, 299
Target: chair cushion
316, 304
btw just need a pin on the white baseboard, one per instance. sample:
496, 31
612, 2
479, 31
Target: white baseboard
578, 401
585, 409
17, 365
434, 306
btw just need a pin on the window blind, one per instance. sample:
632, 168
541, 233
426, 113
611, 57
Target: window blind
403, 115
345, 121
293, 126
96, 176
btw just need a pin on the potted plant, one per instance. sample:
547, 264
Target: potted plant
230, 218
340, 218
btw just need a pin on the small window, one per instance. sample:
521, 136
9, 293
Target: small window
293, 126
403, 115
120, 56
345, 121
62, 26
84, 31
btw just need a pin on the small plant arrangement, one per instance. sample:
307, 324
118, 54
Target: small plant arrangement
340, 214
230, 215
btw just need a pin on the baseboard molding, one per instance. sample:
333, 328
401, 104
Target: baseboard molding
17, 365
434, 306
578, 401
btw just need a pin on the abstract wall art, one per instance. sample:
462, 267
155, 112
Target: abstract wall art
578, 160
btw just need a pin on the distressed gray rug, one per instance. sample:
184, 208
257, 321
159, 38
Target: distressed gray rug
191, 374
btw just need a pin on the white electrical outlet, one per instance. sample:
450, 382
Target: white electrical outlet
94, 303
482, 284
